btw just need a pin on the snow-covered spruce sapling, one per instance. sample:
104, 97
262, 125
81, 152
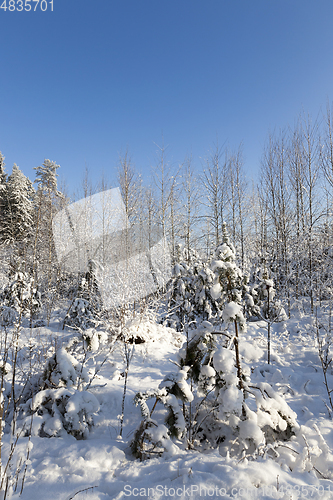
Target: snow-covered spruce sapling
181, 291
187, 395
206, 306
228, 409
19, 297
189, 297
194, 360
222, 414
151, 437
80, 315
84, 310
254, 413
221, 407
57, 404
229, 288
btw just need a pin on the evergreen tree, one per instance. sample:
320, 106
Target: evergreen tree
18, 216
190, 299
60, 398
204, 406
46, 177
20, 296
230, 287
3, 196
46, 199
3, 175
181, 293
85, 307
210, 400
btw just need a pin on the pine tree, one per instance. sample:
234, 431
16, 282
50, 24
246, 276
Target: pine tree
46, 177
47, 197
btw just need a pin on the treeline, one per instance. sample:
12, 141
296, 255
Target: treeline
282, 223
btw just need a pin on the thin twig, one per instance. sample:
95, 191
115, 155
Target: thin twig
80, 491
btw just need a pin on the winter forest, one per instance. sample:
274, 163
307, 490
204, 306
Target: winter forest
219, 383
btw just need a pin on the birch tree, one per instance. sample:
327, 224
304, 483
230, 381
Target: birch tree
311, 178
237, 189
191, 206
166, 182
214, 181
130, 186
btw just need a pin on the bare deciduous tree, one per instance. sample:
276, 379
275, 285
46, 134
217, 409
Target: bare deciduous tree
214, 180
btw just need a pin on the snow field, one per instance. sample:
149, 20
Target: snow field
103, 467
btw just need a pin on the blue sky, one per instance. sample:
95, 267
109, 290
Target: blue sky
82, 83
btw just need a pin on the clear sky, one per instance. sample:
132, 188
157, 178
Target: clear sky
82, 83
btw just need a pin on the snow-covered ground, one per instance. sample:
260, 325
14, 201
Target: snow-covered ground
102, 467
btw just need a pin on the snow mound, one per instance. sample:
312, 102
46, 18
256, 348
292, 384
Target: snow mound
140, 330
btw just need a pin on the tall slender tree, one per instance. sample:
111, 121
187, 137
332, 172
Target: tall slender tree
130, 186
3, 195
18, 217
166, 182
237, 189
311, 178
214, 180
277, 199
191, 206
47, 197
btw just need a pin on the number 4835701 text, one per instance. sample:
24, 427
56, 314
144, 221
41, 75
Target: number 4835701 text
21, 5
